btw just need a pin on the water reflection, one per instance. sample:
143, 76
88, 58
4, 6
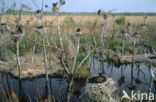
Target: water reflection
135, 76
39, 90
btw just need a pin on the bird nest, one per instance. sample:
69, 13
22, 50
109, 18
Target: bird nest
102, 91
41, 30
4, 27
16, 36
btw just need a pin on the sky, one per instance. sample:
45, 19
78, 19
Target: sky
91, 5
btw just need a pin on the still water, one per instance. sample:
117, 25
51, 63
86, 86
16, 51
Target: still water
57, 87
126, 77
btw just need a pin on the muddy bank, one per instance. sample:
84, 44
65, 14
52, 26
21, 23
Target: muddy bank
128, 58
31, 70
121, 59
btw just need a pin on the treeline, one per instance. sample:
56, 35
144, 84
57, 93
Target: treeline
9, 12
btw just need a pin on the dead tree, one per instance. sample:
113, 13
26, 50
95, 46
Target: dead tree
70, 68
41, 31
2, 10
16, 36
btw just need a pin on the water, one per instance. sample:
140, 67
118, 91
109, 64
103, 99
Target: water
57, 87
127, 78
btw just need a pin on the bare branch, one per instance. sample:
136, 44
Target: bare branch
64, 66
92, 31
84, 59
59, 31
69, 41
46, 45
77, 51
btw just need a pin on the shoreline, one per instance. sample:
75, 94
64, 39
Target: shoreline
31, 71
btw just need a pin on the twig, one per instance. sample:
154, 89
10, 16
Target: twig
64, 66
46, 45
77, 51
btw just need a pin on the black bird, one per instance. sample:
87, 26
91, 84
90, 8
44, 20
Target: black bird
142, 26
19, 29
129, 24
3, 24
38, 11
55, 4
78, 32
123, 32
136, 35
38, 14
55, 7
17, 34
105, 16
99, 12
100, 78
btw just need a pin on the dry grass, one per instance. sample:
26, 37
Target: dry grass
80, 19
83, 22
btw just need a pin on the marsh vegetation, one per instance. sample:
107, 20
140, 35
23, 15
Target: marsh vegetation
52, 58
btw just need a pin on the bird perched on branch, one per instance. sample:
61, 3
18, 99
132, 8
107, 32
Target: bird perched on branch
105, 14
125, 35
99, 12
78, 32
38, 14
55, 7
142, 26
136, 35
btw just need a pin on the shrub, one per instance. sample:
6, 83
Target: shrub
24, 46
120, 20
5, 54
83, 73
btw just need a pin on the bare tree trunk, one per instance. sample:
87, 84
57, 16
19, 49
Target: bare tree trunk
19, 69
34, 48
2, 10
18, 60
69, 89
123, 47
151, 82
59, 30
45, 59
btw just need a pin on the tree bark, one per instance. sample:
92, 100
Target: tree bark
18, 60
69, 89
45, 59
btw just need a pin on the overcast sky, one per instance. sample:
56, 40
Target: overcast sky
93, 5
